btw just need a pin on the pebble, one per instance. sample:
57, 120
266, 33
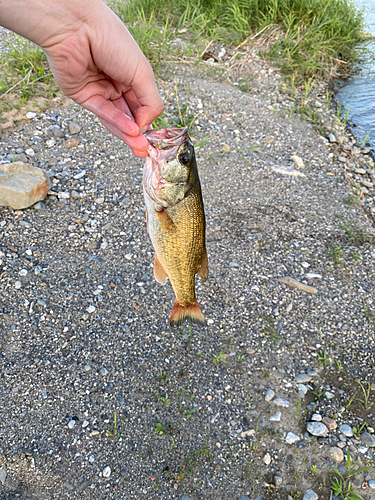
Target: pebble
74, 128
278, 480
302, 390
70, 143
316, 417
71, 424
30, 115
57, 132
30, 152
91, 309
330, 423
3, 476
63, 195
103, 371
25, 224
68, 486
329, 395
332, 138
276, 417
23, 272
302, 378
336, 454
317, 429
371, 484
75, 194
368, 440
50, 143
267, 459
310, 495
269, 395
291, 438
107, 471
80, 175
185, 497
99, 201
281, 402
39, 206
17, 285
298, 162
346, 430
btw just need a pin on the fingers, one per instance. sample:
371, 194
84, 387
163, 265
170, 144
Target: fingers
138, 144
106, 110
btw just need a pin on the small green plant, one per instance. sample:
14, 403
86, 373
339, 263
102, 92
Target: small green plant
339, 365
159, 428
323, 358
342, 485
313, 469
189, 412
366, 390
219, 358
364, 141
165, 401
357, 432
298, 409
240, 358
336, 253
113, 429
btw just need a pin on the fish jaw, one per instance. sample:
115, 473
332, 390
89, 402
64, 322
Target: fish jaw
168, 174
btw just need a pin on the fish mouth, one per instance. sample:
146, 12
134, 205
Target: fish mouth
164, 145
166, 138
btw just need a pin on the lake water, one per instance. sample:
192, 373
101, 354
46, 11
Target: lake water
358, 92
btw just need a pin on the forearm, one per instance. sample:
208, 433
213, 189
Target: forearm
46, 22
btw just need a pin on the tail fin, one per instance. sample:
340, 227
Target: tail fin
180, 313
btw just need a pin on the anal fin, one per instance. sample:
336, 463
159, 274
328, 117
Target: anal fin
159, 273
203, 270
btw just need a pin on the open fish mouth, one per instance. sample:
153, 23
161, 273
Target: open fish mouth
164, 148
166, 139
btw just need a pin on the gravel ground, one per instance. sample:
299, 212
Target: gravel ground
250, 407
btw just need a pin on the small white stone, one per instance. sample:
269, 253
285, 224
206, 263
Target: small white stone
269, 395
267, 459
128, 256
71, 424
63, 195
316, 417
30, 115
99, 201
291, 438
310, 495
276, 417
91, 309
85, 423
23, 272
30, 152
17, 285
107, 471
329, 395
50, 143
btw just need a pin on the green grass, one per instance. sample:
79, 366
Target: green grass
23, 65
342, 482
310, 37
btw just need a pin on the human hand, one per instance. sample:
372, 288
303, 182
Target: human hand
94, 60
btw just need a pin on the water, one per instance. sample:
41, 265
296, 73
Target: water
358, 92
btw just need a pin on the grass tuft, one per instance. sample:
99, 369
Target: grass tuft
316, 37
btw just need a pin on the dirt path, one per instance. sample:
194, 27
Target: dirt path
213, 413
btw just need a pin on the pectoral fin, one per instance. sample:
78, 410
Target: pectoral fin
166, 223
159, 273
203, 270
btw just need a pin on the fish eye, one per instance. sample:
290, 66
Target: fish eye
184, 158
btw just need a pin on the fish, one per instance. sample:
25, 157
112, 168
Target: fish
175, 218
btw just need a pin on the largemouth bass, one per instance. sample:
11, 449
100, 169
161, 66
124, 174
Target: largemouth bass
175, 218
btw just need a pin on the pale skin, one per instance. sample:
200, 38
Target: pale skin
94, 60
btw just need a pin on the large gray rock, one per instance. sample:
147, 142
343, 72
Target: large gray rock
22, 185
